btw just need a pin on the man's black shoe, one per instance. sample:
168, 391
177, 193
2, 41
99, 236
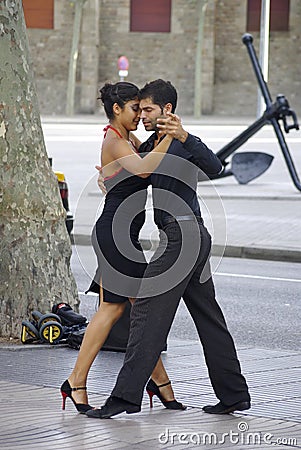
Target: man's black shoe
112, 407
220, 408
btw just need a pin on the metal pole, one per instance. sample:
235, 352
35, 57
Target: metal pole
198, 62
264, 49
73, 57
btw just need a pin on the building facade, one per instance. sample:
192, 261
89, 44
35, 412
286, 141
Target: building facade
167, 39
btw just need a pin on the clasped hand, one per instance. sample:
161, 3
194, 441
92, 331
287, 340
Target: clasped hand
171, 125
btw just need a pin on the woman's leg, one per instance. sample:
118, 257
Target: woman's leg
159, 376
94, 338
96, 334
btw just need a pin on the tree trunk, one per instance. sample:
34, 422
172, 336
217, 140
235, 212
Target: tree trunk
35, 248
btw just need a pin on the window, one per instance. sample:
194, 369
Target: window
38, 13
150, 15
279, 15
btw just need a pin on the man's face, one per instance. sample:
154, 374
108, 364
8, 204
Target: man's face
150, 113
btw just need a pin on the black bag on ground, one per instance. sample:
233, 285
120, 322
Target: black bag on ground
67, 315
118, 336
75, 338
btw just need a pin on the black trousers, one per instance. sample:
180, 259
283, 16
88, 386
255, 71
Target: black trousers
184, 252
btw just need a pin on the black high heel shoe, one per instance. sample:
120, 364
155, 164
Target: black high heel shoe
66, 391
152, 389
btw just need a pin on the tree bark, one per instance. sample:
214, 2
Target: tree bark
35, 248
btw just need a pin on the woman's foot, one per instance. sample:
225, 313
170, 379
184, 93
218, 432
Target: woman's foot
80, 395
165, 394
166, 390
67, 392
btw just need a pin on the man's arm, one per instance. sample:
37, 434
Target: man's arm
201, 155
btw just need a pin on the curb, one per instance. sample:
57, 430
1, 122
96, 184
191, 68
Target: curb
264, 253
230, 251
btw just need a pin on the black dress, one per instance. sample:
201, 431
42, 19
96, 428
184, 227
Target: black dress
115, 238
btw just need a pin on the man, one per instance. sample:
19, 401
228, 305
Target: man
179, 268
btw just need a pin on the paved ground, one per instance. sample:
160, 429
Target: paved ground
31, 417
263, 221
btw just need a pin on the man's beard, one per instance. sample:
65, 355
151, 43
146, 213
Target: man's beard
152, 125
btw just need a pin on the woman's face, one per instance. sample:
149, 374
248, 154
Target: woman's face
130, 114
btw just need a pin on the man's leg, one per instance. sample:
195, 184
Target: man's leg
223, 366
151, 319
152, 315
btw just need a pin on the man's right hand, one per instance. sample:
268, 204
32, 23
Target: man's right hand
172, 126
100, 180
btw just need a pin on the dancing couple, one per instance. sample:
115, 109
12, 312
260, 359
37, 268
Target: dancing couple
169, 161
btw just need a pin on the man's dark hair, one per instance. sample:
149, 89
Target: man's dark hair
161, 92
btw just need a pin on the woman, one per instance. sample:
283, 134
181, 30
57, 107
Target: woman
120, 255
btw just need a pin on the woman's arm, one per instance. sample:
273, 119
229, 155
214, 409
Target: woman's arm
135, 140
122, 153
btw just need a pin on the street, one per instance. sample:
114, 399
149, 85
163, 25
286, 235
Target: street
260, 303
75, 149
260, 299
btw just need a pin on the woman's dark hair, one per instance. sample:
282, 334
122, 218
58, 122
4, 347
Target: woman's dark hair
161, 92
119, 93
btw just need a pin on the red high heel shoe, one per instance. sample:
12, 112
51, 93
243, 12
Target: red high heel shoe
152, 389
66, 391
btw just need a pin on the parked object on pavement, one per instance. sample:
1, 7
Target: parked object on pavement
52, 328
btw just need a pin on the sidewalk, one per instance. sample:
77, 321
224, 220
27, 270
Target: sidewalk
258, 220
31, 417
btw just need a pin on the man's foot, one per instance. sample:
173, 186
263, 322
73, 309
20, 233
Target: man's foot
112, 407
220, 408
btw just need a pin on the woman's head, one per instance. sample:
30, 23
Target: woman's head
119, 93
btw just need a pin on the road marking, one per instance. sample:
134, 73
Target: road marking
73, 138
235, 275
257, 277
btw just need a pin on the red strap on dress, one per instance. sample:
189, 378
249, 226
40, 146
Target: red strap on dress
111, 128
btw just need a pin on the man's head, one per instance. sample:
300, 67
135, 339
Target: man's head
157, 98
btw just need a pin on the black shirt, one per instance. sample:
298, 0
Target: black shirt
174, 182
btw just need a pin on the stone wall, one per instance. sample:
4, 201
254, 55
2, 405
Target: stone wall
169, 56
235, 86
228, 82
50, 53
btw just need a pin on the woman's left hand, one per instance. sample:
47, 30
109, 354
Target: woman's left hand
100, 180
